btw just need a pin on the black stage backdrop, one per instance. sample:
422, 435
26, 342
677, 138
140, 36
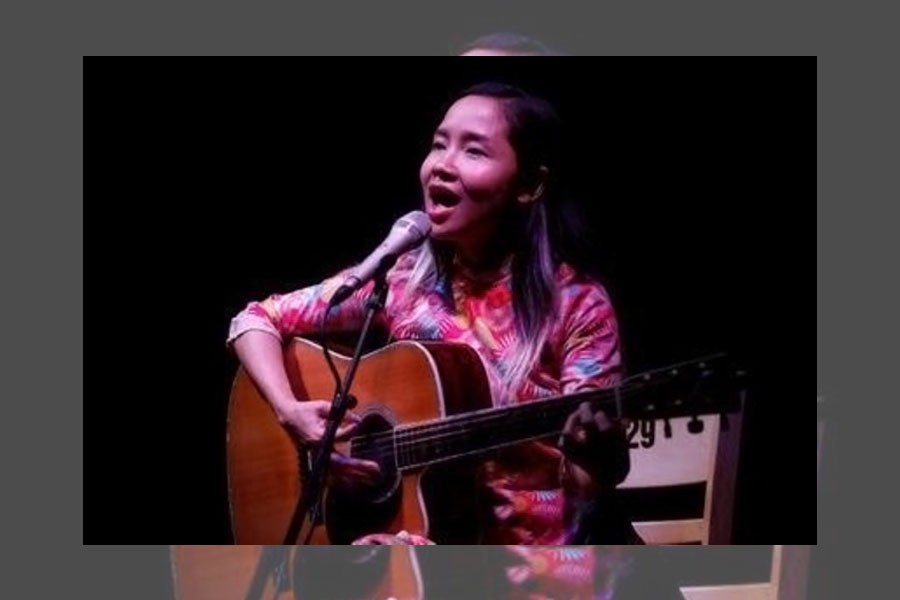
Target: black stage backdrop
223, 181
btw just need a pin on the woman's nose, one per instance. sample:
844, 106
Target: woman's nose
444, 167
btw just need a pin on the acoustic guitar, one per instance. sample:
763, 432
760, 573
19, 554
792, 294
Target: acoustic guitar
427, 413
256, 572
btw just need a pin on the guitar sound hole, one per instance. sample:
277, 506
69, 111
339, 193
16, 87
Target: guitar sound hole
355, 512
373, 441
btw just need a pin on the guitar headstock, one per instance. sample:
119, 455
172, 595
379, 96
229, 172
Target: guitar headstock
706, 385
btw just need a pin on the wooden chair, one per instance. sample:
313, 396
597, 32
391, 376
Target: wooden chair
790, 572
698, 466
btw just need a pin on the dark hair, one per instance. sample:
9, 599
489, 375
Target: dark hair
534, 126
510, 42
535, 136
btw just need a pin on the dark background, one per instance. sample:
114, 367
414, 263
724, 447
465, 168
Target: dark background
223, 181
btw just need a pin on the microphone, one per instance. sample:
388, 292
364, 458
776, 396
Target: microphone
408, 232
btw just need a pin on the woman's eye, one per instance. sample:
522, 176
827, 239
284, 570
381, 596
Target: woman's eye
437, 145
476, 152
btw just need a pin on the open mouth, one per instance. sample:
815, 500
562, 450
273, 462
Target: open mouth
442, 197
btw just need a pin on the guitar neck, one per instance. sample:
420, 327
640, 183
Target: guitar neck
647, 396
480, 431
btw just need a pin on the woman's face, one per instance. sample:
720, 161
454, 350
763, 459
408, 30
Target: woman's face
469, 176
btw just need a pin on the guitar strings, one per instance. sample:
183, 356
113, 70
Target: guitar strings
452, 423
408, 437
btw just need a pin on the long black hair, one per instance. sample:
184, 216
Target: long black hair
538, 228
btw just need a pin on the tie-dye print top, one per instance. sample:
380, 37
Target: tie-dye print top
567, 572
523, 483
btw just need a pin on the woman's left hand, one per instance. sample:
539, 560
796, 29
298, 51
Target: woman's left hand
597, 447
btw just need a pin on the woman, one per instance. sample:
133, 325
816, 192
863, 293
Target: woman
507, 44
490, 276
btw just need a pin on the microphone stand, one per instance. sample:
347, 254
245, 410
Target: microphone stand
342, 402
273, 561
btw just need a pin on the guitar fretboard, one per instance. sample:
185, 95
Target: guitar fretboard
664, 393
480, 431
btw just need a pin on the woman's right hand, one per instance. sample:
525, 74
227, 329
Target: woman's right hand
308, 420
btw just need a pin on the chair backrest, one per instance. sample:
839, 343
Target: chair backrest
790, 572
788, 580
695, 473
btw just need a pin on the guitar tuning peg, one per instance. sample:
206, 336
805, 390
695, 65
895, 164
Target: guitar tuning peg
667, 428
695, 425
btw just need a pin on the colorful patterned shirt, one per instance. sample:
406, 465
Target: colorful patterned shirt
581, 352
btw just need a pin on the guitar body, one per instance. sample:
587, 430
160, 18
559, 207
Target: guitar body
311, 573
426, 414
216, 572
404, 383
